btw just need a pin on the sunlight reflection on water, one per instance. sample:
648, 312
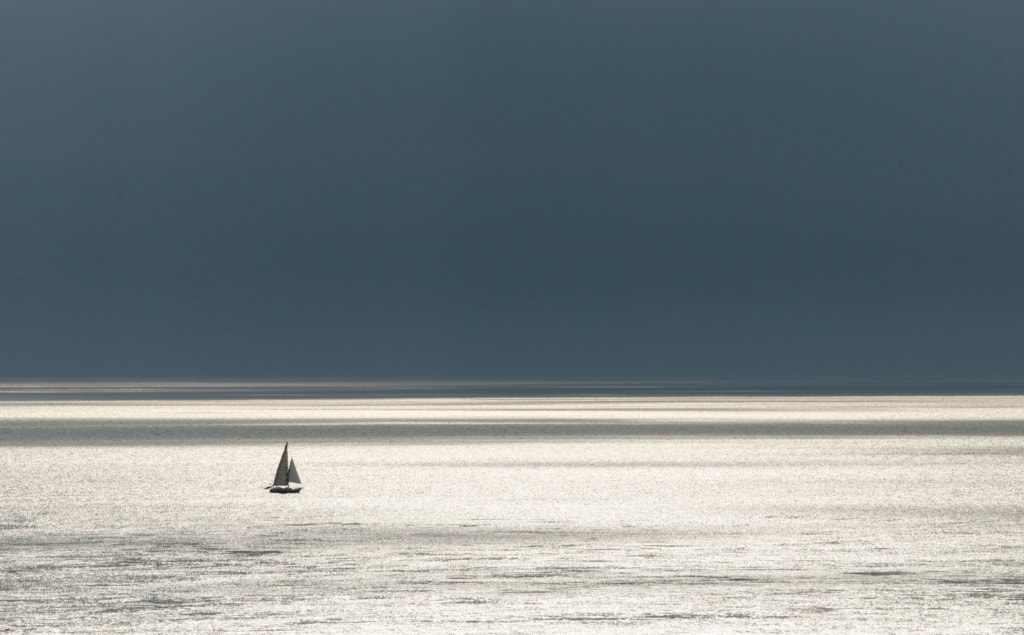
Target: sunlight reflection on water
322, 420
730, 532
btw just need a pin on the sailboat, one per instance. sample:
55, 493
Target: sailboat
286, 479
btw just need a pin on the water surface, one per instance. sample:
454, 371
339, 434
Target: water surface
439, 514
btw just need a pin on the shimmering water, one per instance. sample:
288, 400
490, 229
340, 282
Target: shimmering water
436, 515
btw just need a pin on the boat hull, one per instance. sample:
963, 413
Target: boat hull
284, 489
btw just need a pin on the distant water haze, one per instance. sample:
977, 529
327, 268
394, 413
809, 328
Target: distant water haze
116, 414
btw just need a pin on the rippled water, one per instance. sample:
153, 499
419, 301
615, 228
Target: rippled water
420, 515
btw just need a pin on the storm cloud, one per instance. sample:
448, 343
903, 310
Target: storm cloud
529, 189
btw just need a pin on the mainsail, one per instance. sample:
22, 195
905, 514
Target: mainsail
281, 477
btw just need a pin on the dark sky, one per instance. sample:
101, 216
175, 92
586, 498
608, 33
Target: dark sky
706, 189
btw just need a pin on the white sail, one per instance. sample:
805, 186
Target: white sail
293, 474
281, 477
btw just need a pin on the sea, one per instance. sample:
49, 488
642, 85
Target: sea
511, 508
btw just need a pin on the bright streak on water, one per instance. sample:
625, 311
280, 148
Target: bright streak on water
629, 409
738, 514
